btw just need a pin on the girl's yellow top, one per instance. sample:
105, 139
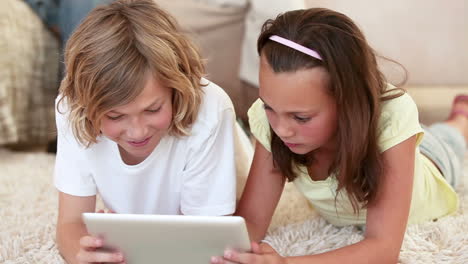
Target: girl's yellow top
433, 197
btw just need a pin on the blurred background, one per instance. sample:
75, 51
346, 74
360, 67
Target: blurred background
428, 37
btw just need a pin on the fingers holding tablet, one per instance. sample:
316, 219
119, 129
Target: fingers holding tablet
92, 250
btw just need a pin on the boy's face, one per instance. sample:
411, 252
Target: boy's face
299, 109
138, 126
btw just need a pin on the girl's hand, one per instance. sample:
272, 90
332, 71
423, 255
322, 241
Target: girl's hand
102, 211
91, 251
260, 254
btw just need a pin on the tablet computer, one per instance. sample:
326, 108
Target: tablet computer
169, 238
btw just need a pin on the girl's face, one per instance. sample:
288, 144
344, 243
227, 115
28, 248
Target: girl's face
138, 126
298, 107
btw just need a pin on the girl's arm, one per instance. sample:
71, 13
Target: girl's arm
72, 237
261, 194
386, 218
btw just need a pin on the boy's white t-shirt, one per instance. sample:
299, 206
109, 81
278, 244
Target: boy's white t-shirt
192, 175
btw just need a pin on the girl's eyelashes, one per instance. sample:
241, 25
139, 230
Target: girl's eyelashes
266, 107
301, 119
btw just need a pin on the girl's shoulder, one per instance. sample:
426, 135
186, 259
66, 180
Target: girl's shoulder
259, 125
399, 119
401, 101
401, 108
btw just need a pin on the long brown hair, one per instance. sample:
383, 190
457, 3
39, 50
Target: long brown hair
356, 84
110, 55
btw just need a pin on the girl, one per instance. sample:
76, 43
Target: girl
139, 125
352, 144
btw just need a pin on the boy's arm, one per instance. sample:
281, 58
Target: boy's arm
70, 226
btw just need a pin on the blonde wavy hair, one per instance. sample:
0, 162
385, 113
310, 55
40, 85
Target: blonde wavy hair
108, 58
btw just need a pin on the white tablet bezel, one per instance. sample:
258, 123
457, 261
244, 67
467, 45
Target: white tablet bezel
169, 238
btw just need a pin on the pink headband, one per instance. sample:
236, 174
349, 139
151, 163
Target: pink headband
296, 46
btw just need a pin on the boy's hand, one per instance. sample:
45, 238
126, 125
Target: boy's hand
91, 251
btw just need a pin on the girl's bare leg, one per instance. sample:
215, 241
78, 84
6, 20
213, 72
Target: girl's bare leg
459, 116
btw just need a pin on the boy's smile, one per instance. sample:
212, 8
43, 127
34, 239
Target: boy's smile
138, 126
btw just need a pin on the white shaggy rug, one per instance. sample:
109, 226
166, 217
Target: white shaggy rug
28, 211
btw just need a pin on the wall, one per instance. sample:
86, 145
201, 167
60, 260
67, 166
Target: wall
429, 37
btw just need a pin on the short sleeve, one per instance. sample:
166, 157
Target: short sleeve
209, 178
259, 125
399, 121
72, 173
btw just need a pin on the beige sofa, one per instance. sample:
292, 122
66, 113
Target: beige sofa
29, 59
428, 37
432, 48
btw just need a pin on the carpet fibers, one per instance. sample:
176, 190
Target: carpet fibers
28, 211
